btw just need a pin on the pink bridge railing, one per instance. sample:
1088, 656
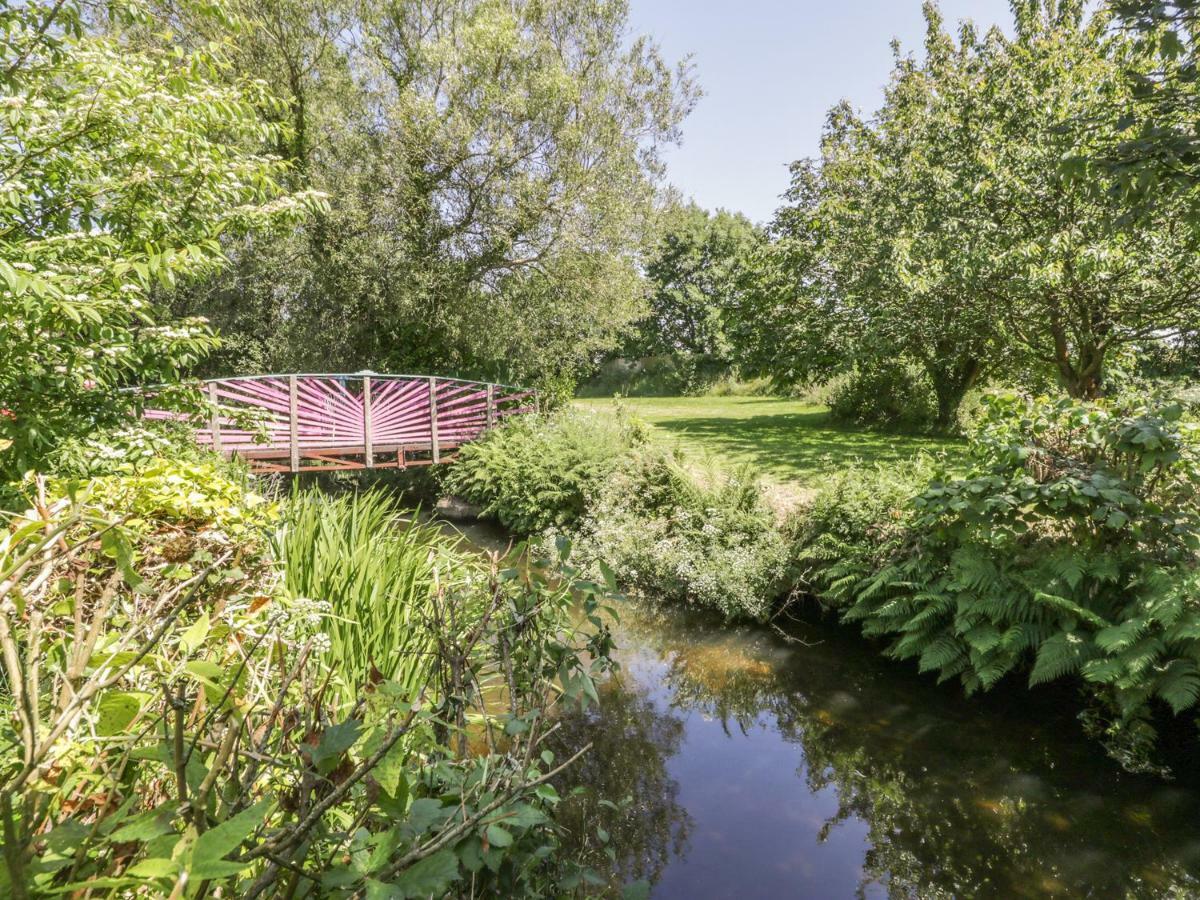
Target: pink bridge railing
282, 423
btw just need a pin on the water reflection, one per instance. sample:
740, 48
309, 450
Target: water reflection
762, 768
632, 800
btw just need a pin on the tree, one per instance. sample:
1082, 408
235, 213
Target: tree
695, 269
121, 169
1077, 276
480, 156
963, 228
789, 324
893, 214
1155, 148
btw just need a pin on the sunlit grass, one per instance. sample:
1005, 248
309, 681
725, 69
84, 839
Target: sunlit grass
783, 440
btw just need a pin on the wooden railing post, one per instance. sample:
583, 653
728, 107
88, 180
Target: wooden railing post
368, 447
433, 425
214, 422
491, 405
293, 423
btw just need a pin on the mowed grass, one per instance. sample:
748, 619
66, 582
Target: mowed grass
786, 441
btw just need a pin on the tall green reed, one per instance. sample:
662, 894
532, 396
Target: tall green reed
378, 573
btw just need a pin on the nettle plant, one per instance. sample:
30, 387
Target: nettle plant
169, 728
1069, 548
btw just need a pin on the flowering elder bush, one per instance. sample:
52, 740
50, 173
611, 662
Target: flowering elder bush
119, 172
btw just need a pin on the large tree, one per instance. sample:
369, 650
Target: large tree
961, 227
1078, 278
490, 167
120, 172
695, 273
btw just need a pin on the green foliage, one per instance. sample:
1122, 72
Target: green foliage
123, 169
697, 270
170, 728
126, 449
491, 169
675, 534
1068, 549
369, 578
666, 375
534, 472
962, 227
886, 394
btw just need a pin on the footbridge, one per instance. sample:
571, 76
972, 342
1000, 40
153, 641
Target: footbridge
331, 422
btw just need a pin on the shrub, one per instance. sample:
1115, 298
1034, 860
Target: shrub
1068, 549
125, 449
665, 375
672, 535
884, 395
535, 472
170, 731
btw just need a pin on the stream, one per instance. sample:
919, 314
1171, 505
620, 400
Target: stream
762, 765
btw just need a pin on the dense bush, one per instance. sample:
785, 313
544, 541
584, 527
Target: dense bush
673, 534
535, 471
170, 728
1068, 549
885, 394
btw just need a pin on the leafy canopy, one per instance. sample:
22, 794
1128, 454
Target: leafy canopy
121, 169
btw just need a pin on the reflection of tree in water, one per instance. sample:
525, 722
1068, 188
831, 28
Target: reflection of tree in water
952, 809
632, 743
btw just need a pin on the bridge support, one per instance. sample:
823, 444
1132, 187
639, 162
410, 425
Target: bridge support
434, 443
293, 425
368, 444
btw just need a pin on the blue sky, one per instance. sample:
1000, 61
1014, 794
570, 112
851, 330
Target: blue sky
770, 71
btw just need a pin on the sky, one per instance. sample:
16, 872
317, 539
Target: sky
770, 70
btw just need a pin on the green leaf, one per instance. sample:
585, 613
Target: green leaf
208, 854
498, 836
117, 710
430, 877
155, 868
191, 639
147, 826
335, 740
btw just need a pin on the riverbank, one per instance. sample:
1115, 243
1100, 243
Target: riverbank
1030, 553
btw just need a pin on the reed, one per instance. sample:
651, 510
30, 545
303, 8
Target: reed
378, 573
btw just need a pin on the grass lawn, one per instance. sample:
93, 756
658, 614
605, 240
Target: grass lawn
786, 441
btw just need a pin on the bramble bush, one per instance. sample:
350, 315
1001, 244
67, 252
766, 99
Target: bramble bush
1068, 549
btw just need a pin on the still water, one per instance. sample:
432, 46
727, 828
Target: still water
757, 765
762, 767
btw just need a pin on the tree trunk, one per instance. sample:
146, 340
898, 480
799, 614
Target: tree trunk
950, 385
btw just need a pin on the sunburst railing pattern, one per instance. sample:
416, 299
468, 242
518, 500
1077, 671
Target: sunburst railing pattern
282, 423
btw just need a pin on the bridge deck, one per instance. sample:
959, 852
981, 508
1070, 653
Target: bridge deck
300, 423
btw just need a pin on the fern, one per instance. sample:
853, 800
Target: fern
1180, 685
1061, 655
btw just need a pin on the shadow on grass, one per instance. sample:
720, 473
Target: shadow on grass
802, 446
